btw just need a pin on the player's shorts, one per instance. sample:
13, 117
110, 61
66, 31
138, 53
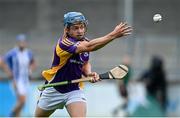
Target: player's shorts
51, 99
22, 87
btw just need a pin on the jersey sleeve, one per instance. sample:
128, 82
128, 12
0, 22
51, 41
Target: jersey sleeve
85, 56
8, 58
68, 45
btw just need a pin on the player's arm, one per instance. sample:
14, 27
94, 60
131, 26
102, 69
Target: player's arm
5, 68
7, 63
32, 65
86, 69
120, 30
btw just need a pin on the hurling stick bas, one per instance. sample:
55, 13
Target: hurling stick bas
116, 73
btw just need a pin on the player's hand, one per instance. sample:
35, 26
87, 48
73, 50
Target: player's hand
121, 30
95, 77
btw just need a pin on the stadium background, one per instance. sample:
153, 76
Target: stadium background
42, 20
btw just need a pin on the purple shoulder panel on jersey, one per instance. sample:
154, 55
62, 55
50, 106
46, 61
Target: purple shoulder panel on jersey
69, 48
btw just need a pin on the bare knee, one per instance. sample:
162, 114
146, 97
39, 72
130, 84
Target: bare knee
77, 109
22, 100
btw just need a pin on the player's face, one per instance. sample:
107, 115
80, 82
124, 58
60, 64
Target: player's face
22, 44
77, 31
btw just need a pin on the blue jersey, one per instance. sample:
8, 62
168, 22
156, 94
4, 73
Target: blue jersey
18, 62
66, 65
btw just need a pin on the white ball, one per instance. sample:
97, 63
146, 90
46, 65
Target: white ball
157, 18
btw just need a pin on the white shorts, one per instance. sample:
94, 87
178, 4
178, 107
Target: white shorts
51, 99
22, 87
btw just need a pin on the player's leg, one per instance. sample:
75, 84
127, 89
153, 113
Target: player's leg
77, 109
19, 105
21, 92
76, 103
43, 113
49, 100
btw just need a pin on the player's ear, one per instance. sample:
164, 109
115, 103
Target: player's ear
65, 32
65, 28
85, 28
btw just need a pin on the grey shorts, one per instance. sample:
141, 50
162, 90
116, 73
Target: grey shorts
51, 99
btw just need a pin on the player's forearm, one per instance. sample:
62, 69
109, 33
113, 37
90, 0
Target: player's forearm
86, 69
7, 70
120, 30
32, 66
98, 43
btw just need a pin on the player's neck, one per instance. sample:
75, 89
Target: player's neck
21, 49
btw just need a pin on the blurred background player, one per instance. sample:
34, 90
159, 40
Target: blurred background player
155, 81
71, 61
21, 63
123, 86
